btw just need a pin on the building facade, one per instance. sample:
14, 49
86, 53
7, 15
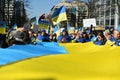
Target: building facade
76, 11
2, 2
107, 12
20, 13
13, 11
7, 11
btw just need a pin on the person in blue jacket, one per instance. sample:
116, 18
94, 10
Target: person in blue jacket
86, 37
79, 38
113, 38
100, 39
64, 37
116, 38
43, 37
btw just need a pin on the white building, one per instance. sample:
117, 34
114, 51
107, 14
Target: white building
107, 12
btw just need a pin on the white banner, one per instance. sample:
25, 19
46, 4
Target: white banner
89, 22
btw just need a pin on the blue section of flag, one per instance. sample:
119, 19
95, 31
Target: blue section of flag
2, 24
59, 11
56, 28
20, 52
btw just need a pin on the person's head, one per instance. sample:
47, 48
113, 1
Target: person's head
100, 37
64, 32
30, 33
90, 35
116, 34
43, 32
79, 34
84, 34
51, 36
54, 36
91, 26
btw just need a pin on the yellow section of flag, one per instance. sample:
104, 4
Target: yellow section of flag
43, 26
83, 62
59, 18
2, 30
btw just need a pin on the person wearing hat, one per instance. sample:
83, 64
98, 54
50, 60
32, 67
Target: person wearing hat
64, 37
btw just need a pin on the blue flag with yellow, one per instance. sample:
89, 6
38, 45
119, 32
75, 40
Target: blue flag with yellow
14, 26
33, 20
16, 53
59, 15
2, 27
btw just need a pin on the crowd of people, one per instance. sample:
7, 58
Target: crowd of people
23, 37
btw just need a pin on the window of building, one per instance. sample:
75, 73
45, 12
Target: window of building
107, 11
102, 14
108, 2
113, 1
97, 22
112, 21
107, 22
101, 22
113, 11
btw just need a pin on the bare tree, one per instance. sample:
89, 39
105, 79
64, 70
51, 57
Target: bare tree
91, 7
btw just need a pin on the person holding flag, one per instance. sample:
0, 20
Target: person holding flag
58, 16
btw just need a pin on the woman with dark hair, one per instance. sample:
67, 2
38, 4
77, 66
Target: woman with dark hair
101, 40
86, 37
53, 37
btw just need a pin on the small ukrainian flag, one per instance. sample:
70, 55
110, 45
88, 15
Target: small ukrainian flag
33, 20
2, 27
59, 15
14, 26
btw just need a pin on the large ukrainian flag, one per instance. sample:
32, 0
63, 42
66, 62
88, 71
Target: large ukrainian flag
59, 15
83, 62
2, 27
